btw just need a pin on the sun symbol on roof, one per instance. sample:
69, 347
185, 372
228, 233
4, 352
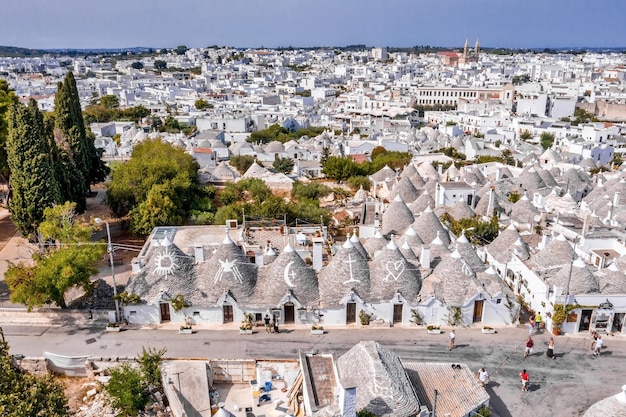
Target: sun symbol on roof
166, 263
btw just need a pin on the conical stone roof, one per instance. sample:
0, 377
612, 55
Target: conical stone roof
384, 388
405, 189
375, 243
418, 206
427, 225
501, 247
391, 273
347, 270
358, 245
168, 270
383, 174
228, 270
581, 279
288, 273
397, 217
556, 254
468, 253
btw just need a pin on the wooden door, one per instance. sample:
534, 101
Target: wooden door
397, 313
228, 313
165, 312
350, 313
478, 311
289, 313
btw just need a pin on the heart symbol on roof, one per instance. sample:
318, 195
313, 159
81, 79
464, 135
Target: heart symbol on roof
394, 269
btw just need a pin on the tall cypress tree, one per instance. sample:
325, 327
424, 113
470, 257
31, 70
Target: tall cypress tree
69, 120
33, 182
7, 96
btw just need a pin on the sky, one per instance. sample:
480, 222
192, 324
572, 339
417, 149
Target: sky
47, 24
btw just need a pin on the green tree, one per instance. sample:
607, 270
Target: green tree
547, 140
7, 97
22, 394
32, 170
159, 64
312, 190
97, 113
153, 162
149, 361
242, 162
340, 169
160, 208
180, 50
135, 113
256, 189
60, 266
110, 101
128, 392
325, 155
359, 181
514, 196
283, 165
138, 65
69, 121
202, 104
525, 135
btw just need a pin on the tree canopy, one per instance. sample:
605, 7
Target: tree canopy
158, 185
68, 259
22, 394
283, 165
7, 97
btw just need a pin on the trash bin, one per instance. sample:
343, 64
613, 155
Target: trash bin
268, 386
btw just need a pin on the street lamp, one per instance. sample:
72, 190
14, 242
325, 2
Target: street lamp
110, 250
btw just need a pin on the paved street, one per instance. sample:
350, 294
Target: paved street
559, 388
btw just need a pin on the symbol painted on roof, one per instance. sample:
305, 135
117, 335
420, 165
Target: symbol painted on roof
350, 261
228, 266
166, 263
394, 269
293, 275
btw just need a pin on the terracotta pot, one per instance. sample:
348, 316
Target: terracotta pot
556, 331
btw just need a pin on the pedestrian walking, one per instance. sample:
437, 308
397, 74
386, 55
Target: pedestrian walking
550, 351
276, 325
272, 326
525, 380
451, 342
483, 377
529, 346
538, 320
531, 326
598, 345
266, 319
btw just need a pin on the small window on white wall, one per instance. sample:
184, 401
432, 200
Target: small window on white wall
132, 313
498, 300
196, 314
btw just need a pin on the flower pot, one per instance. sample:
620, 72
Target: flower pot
317, 331
489, 331
556, 331
434, 331
112, 329
245, 331
185, 331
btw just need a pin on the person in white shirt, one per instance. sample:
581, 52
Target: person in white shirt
452, 337
483, 377
598, 346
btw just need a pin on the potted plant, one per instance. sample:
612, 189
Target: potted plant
186, 328
558, 317
416, 317
246, 325
488, 330
433, 329
113, 327
365, 318
317, 329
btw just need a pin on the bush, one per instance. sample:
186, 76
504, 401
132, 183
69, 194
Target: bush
150, 365
127, 390
365, 318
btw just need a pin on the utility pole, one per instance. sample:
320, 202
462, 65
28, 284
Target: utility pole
435, 404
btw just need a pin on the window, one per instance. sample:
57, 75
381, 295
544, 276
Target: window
498, 300
196, 314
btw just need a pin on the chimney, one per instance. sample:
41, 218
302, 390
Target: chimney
258, 258
198, 253
616, 199
317, 253
498, 174
585, 225
425, 257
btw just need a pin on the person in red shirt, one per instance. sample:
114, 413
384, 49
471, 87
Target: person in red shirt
525, 380
529, 347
